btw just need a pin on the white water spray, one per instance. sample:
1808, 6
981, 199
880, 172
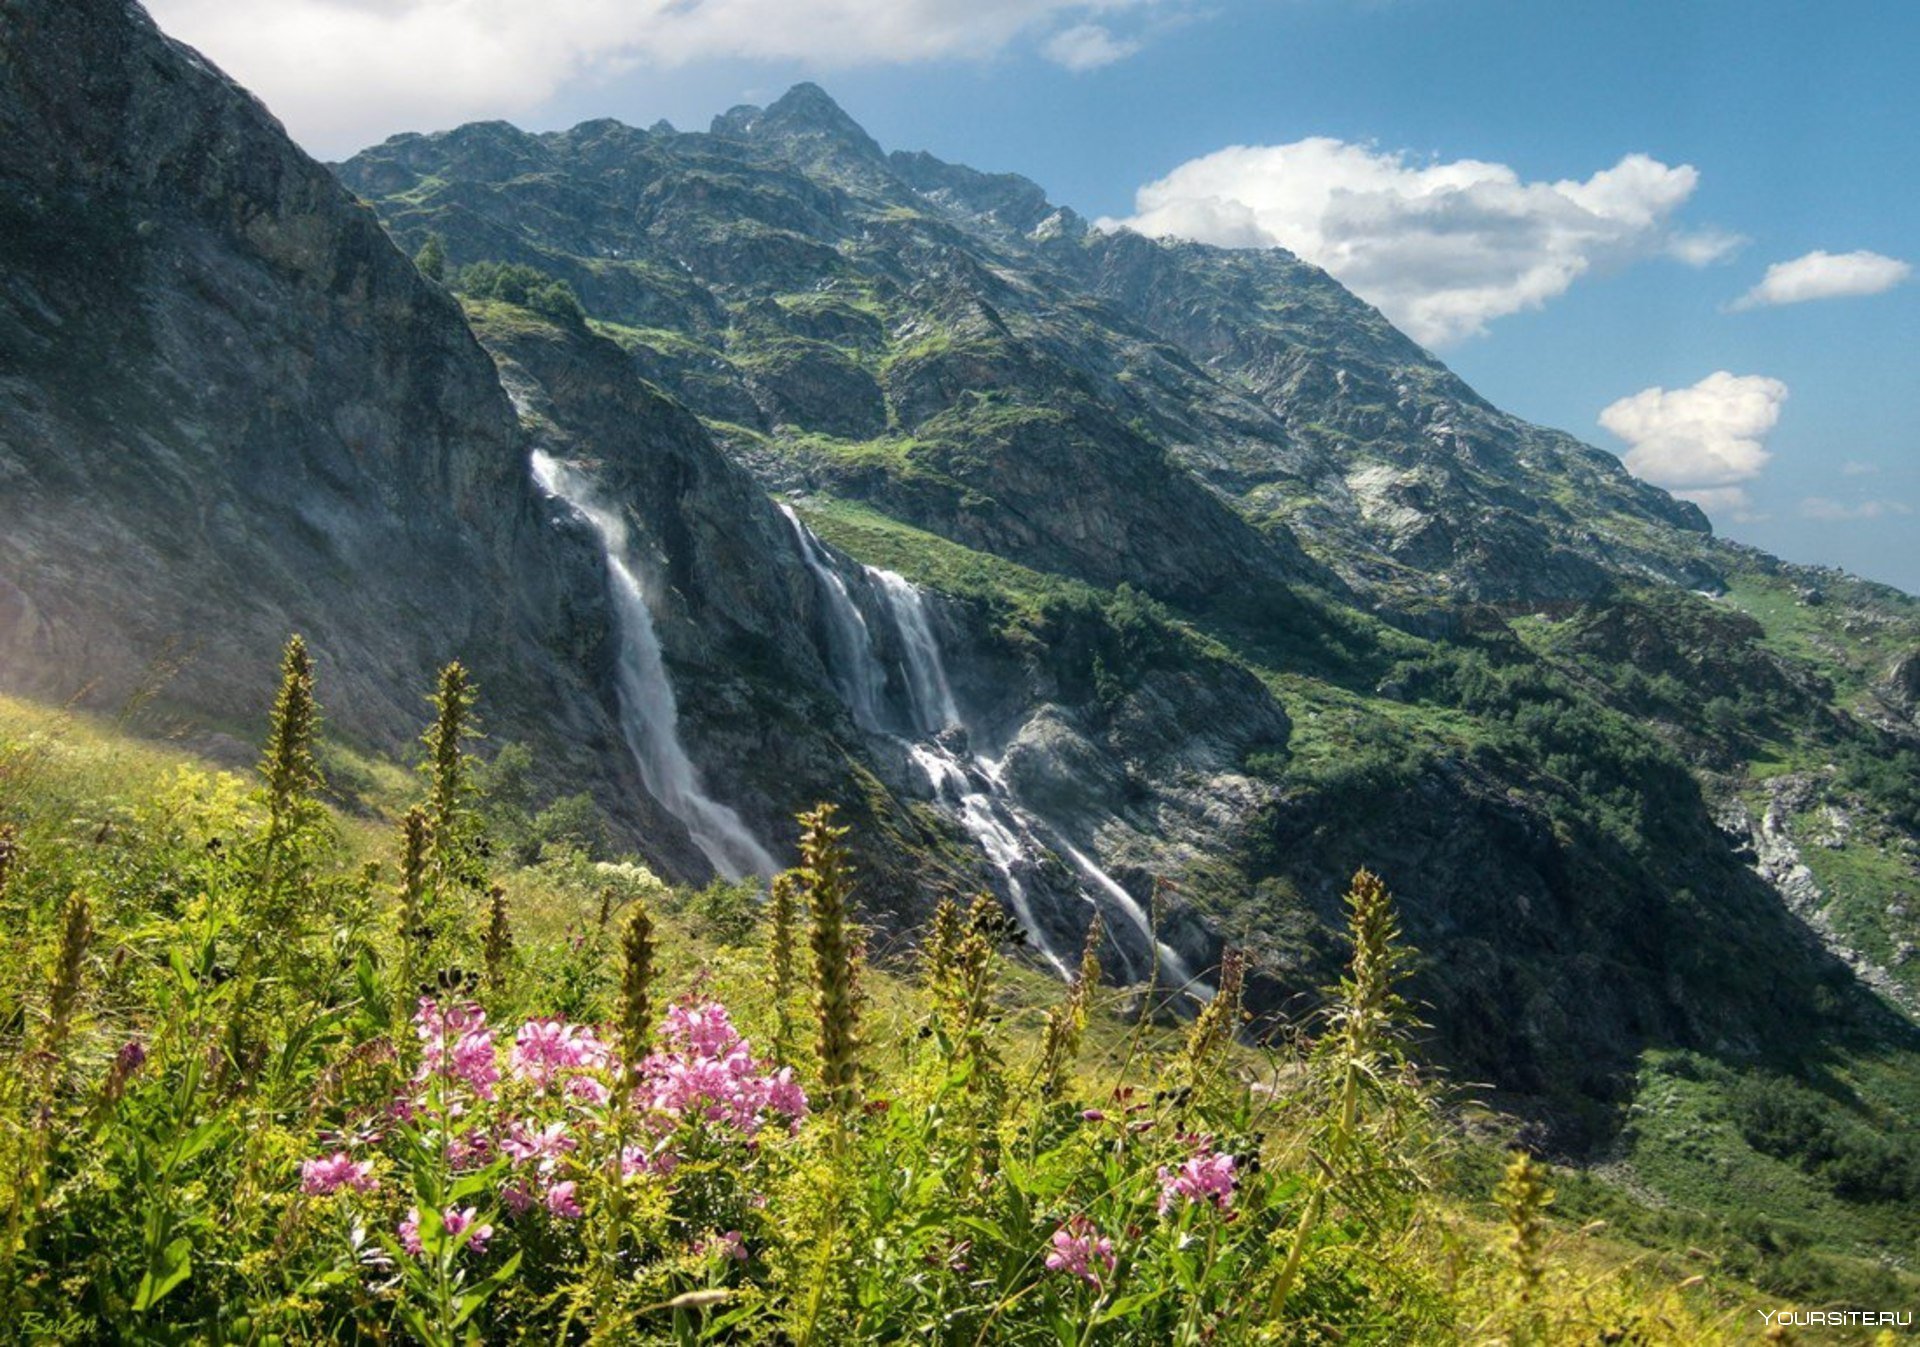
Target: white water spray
1182, 976
854, 666
649, 717
933, 706
975, 793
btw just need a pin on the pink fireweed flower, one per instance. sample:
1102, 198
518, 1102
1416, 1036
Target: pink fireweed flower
545, 1049
456, 1221
410, 1232
562, 1203
639, 1160
336, 1171
471, 1149
517, 1197
1080, 1249
544, 1147
461, 1219
706, 1070
586, 1090
1202, 1177
456, 1044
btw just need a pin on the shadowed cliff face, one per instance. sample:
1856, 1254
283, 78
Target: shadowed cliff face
230, 409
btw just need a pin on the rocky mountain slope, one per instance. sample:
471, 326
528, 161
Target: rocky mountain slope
1108, 574
1468, 646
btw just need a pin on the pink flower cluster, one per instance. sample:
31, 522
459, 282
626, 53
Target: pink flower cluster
1079, 1248
336, 1171
457, 1045
546, 1050
456, 1220
705, 1070
1203, 1177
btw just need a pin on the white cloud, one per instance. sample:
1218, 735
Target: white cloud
1087, 46
1832, 511
342, 73
1441, 248
1822, 275
1854, 467
1703, 442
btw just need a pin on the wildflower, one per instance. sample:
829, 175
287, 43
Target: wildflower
126, 1062
336, 1171
456, 1221
562, 1203
471, 1149
543, 1049
1202, 1177
461, 1219
953, 1257
1079, 1248
544, 1147
1092, 1115
586, 1090
639, 1160
707, 1071
517, 1197
456, 1043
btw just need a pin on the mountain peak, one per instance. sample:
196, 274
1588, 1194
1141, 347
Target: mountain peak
806, 112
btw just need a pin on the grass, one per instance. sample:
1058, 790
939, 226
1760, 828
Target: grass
169, 1189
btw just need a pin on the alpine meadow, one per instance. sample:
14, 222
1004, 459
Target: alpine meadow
648, 736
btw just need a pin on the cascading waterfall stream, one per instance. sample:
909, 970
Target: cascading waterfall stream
932, 695
854, 666
974, 792
649, 716
1180, 975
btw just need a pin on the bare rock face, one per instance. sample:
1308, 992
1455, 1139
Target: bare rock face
231, 409
1903, 681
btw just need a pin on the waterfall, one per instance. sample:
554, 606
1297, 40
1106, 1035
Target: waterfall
933, 707
1005, 840
854, 666
972, 790
649, 717
1181, 976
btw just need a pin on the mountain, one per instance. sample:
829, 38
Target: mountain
1106, 574
1339, 609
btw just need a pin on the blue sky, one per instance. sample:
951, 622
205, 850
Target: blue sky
1439, 155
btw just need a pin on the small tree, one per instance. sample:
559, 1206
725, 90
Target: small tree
432, 259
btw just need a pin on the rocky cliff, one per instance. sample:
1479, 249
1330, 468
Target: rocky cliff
230, 409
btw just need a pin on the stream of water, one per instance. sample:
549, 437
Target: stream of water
649, 715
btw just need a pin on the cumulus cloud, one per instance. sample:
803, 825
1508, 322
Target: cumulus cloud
1087, 46
342, 73
1830, 511
1441, 248
1822, 275
1703, 442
